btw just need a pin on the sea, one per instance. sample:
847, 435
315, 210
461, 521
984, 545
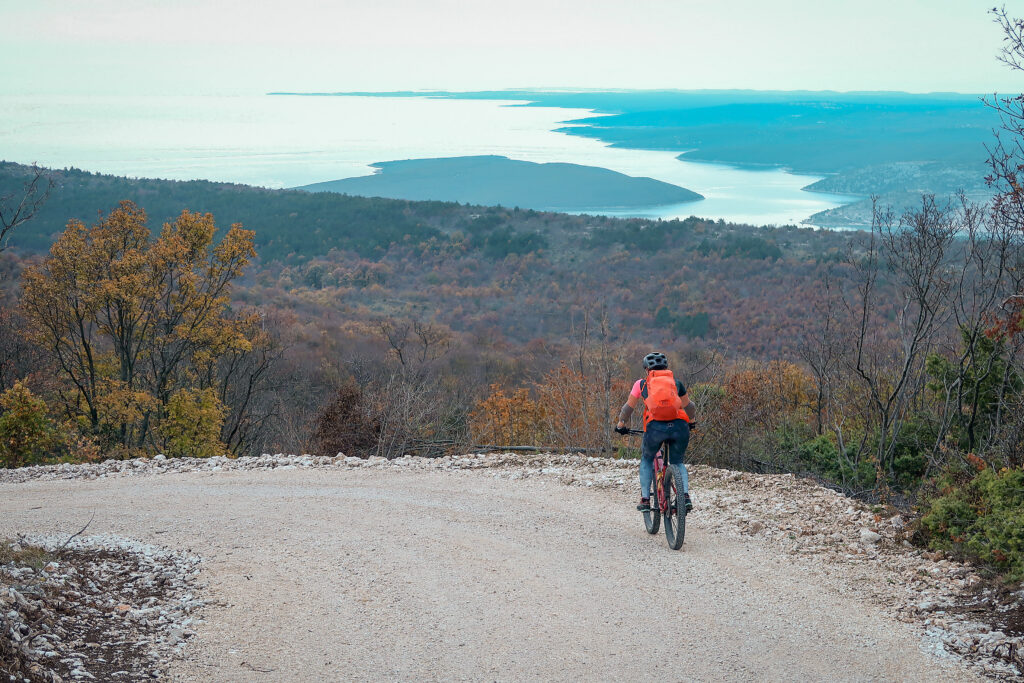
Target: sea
279, 141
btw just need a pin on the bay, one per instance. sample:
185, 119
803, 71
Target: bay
284, 141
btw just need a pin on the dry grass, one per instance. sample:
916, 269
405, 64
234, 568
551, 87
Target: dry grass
24, 556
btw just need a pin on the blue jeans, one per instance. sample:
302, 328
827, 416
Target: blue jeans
677, 434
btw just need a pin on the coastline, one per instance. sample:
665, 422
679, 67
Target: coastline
282, 142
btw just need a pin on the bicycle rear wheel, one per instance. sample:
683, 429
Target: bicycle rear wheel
675, 516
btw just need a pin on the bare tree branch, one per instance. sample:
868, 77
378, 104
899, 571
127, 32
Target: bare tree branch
17, 208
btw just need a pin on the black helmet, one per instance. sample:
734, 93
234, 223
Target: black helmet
655, 361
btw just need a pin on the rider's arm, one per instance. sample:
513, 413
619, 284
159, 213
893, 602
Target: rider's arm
688, 407
627, 410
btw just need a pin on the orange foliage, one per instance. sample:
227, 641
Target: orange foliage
507, 420
580, 407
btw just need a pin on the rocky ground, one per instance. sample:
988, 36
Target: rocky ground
957, 611
93, 608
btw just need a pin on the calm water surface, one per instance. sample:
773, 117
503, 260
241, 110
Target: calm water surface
281, 141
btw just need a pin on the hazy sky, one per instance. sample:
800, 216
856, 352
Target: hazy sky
254, 46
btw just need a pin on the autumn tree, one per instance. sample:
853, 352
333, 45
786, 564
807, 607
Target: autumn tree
131, 321
504, 419
243, 378
398, 396
345, 426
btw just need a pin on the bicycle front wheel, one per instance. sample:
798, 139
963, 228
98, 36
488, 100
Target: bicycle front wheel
675, 515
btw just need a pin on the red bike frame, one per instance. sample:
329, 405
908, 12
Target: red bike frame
659, 480
659, 475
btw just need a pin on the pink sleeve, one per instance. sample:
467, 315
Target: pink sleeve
636, 389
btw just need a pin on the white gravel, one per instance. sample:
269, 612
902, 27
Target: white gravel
490, 567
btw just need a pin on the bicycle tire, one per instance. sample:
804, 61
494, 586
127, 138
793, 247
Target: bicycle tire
675, 516
652, 518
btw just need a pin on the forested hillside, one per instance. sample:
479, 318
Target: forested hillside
487, 270
288, 223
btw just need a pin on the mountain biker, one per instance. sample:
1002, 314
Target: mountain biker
656, 432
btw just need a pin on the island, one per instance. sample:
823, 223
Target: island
497, 180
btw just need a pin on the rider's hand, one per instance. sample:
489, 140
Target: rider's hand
622, 429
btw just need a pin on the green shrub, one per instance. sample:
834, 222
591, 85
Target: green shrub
981, 517
909, 456
192, 425
26, 433
821, 456
503, 242
693, 325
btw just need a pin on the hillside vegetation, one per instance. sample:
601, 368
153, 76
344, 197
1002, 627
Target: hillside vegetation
495, 180
487, 270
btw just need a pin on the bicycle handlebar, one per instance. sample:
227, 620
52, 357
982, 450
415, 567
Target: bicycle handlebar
640, 431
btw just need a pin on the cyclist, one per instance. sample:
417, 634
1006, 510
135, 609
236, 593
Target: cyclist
668, 413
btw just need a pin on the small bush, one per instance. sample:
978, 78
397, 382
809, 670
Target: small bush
26, 433
345, 427
20, 555
82, 447
981, 517
513, 419
192, 425
821, 456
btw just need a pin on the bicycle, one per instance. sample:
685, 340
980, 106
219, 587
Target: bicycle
668, 485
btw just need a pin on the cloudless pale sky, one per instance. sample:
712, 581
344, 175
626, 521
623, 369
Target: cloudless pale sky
255, 46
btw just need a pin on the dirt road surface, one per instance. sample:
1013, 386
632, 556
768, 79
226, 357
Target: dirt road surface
462, 575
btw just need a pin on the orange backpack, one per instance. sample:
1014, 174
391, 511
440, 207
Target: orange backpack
662, 402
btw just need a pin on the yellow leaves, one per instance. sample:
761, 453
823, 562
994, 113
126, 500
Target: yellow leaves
191, 233
25, 429
119, 405
567, 411
236, 249
575, 414
83, 447
777, 386
131, 320
192, 425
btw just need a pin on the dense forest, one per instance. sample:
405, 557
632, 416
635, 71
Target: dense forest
374, 257
195, 318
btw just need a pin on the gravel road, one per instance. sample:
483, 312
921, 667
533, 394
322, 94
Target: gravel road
349, 574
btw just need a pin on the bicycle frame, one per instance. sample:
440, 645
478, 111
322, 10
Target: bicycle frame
660, 458
659, 477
